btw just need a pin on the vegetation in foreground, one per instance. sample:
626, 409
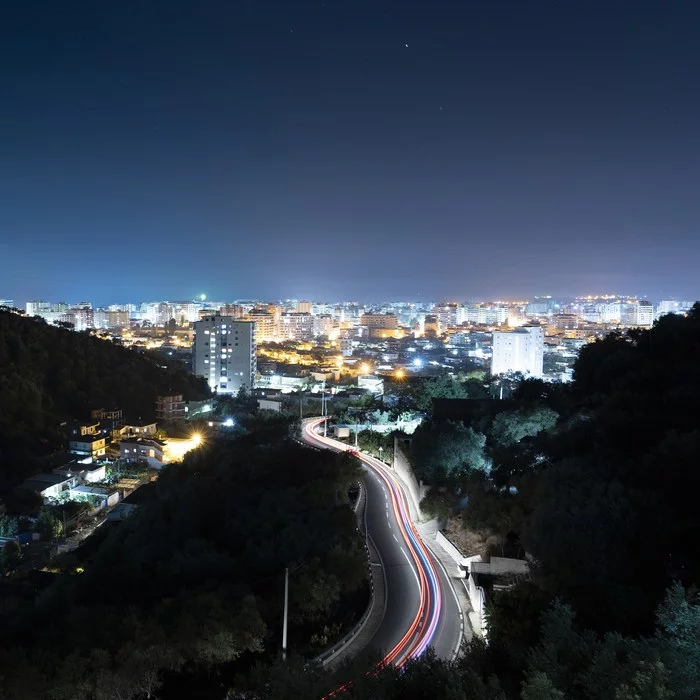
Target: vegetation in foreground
189, 589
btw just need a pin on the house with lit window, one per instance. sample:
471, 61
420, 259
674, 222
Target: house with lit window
87, 440
149, 449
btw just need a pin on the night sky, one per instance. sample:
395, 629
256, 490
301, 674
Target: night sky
349, 149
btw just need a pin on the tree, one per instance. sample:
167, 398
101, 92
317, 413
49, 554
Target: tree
678, 641
510, 427
11, 554
48, 525
538, 686
9, 526
444, 452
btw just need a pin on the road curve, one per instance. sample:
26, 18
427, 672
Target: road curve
421, 607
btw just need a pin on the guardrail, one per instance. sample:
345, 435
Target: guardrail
372, 554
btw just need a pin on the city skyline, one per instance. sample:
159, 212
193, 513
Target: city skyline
206, 300
449, 150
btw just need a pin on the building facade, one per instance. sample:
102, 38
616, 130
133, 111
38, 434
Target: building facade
224, 353
519, 351
170, 407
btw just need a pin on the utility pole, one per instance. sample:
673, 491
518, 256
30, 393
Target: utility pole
357, 427
286, 612
301, 406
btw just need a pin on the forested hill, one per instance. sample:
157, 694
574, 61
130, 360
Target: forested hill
49, 375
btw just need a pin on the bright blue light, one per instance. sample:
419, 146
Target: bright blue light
417, 363
228, 422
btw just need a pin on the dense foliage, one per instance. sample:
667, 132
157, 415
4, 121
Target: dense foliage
49, 375
194, 579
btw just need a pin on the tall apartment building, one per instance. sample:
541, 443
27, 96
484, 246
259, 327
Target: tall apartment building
521, 350
446, 314
645, 314
482, 313
296, 325
383, 321
266, 324
170, 407
224, 353
638, 313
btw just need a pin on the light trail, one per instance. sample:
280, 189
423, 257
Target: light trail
419, 635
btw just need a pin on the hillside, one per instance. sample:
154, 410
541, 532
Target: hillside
49, 375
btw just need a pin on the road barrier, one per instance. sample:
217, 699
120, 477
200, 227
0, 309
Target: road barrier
377, 595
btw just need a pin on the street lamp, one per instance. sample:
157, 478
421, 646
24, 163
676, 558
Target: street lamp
381, 449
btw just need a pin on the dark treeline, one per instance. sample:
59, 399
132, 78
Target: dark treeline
189, 589
49, 375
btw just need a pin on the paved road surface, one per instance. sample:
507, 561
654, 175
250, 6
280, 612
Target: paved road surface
421, 607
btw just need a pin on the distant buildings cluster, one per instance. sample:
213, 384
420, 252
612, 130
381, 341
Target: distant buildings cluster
244, 344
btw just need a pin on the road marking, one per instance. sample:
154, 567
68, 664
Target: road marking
410, 566
396, 538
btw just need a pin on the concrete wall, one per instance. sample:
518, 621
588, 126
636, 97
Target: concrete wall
477, 598
403, 468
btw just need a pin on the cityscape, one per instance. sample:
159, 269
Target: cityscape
299, 345
350, 350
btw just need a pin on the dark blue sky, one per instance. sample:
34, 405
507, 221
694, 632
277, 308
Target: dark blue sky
349, 148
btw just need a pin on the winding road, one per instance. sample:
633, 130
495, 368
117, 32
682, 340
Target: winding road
421, 607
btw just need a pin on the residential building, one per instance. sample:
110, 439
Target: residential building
266, 324
431, 326
99, 496
446, 314
109, 418
383, 321
137, 428
87, 440
236, 311
270, 404
51, 487
170, 407
521, 350
346, 346
487, 314
296, 325
645, 314
148, 449
322, 324
304, 307
224, 353
84, 470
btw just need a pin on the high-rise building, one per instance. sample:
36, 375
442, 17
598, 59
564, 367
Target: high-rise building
170, 407
38, 308
645, 313
304, 307
266, 324
7, 302
296, 326
521, 350
384, 321
482, 313
225, 353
